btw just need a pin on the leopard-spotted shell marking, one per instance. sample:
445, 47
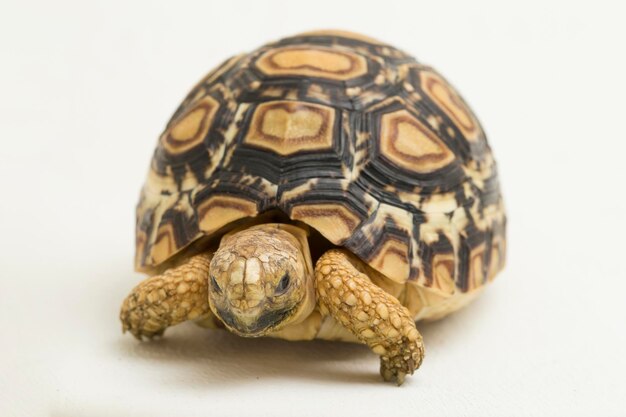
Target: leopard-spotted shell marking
348, 135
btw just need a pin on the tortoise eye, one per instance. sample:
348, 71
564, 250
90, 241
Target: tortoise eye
215, 286
283, 284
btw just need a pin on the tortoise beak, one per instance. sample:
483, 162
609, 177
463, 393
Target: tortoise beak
253, 324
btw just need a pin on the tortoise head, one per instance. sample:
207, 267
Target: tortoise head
261, 280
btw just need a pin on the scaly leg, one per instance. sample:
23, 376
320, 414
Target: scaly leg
374, 316
179, 294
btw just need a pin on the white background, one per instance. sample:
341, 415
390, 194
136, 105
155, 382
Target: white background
85, 89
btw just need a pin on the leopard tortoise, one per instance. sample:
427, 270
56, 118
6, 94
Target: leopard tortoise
326, 185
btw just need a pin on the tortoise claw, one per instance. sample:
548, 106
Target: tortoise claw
392, 374
386, 373
400, 378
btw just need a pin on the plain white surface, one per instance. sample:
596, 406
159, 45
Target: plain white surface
85, 89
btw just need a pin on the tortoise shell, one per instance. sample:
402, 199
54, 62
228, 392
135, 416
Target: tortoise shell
355, 138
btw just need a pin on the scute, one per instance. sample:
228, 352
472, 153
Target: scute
287, 127
311, 61
346, 134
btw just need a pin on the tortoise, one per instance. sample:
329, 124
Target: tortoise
325, 185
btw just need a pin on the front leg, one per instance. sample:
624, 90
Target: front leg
374, 316
179, 294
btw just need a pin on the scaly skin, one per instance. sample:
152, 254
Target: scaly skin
246, 271
341, 288
177, 295
374, 316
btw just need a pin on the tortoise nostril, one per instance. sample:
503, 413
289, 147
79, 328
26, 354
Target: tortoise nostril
253, 303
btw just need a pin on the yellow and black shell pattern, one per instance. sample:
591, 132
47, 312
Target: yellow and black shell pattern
350, 136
